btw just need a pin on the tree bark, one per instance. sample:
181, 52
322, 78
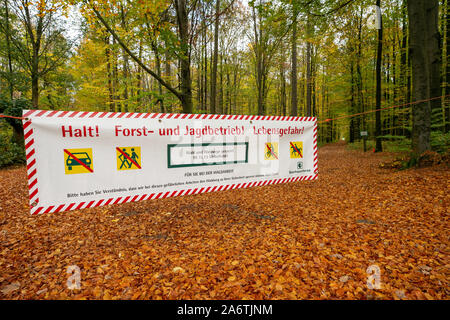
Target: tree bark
378, 145
446, 71
112, 107
359, 78
308, 71
214, 62
8, 49
185, 69
426, 59
125, 63
352, 128
294, 100
259, 64
168, 74
158, 72
283, 87
115, 74
139, 78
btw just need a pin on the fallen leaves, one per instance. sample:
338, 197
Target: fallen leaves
10, 288
305, 240
178, 269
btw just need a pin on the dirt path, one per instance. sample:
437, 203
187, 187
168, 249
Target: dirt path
305, 240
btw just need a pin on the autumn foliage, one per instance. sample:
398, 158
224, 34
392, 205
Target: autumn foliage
304, 240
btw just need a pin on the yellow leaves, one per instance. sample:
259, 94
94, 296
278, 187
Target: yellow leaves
251, 269
97, 292
258, 283
136, 296
279, 287
178, 269
334, 285
231, 278
235, 263
126, 282
428, 296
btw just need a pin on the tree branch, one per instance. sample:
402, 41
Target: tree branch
133, 56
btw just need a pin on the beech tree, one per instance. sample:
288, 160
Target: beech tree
40, 45
424, 41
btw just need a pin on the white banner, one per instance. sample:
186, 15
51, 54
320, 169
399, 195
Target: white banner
78, 160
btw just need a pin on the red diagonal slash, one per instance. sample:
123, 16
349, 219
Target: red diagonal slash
126, 156
78, 160
293, 146
270, 149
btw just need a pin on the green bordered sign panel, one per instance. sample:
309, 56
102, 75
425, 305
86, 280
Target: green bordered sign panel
78, 160
206, 154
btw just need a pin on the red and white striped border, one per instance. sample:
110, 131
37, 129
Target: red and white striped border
135, 115
31, 160
162, 195
31, 163
315, 155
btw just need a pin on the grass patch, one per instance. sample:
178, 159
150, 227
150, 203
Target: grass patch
394, 146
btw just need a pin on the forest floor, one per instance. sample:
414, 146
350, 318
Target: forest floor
318, 239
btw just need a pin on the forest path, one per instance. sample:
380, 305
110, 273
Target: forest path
304, 240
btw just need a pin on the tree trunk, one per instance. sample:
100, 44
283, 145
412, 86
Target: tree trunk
214, 62
205, 74
8, 49
378, 145
425, 58
308, 71
404, 70
220, 102
124, 65
352, 128
35, 91
228, 88
139, 78
313, 83
185, 68
35, 72
446, 70
283, 87
158, 72
294, 100
235, 89
259, 64
115, 73
359, 79
168, 73
112, 107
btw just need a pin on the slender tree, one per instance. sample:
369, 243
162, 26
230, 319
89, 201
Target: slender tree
294, 100
378, 145
214, 62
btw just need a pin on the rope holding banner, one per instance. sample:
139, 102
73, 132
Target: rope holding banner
391, 107
11, 117
326, 120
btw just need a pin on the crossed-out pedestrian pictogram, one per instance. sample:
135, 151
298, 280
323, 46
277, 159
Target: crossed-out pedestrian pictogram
128, 158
